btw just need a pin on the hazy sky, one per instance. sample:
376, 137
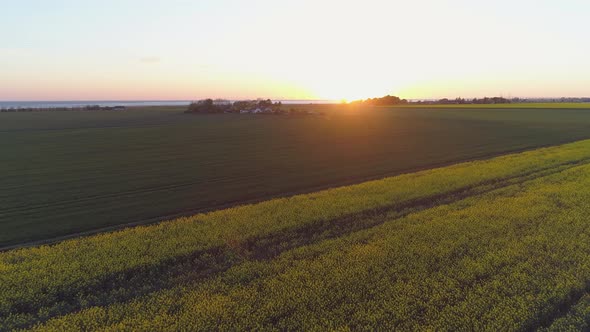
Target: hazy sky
173, 49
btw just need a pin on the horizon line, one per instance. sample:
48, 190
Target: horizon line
274, 99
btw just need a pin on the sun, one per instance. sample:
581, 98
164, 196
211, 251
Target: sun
354, 86
345, 92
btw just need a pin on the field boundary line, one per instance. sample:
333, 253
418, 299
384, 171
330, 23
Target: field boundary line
190, 267
238, 202
382, 214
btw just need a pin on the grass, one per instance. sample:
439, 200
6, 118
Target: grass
485, 245
70, 172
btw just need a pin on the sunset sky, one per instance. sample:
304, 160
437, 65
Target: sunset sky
320, 49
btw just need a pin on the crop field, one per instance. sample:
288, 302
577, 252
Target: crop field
65, 173
497, 244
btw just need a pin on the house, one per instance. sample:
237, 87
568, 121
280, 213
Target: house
257, 111
244, 112
119, 108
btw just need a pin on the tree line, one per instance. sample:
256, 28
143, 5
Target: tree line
461, 101
383, 101
394, 100
225, 106
63, 109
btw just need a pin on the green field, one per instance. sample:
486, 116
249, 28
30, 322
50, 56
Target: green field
63, 173
499, 244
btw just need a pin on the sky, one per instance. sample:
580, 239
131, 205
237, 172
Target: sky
279, 49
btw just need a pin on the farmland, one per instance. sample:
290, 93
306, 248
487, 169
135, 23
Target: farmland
497, 244
69, 172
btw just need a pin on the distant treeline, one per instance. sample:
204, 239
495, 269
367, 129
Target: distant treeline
500, 100
461, 101
63, 109
551, 100
383, 101
393, 100
259, 106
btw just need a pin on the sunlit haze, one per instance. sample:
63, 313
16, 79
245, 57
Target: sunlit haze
320, 49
